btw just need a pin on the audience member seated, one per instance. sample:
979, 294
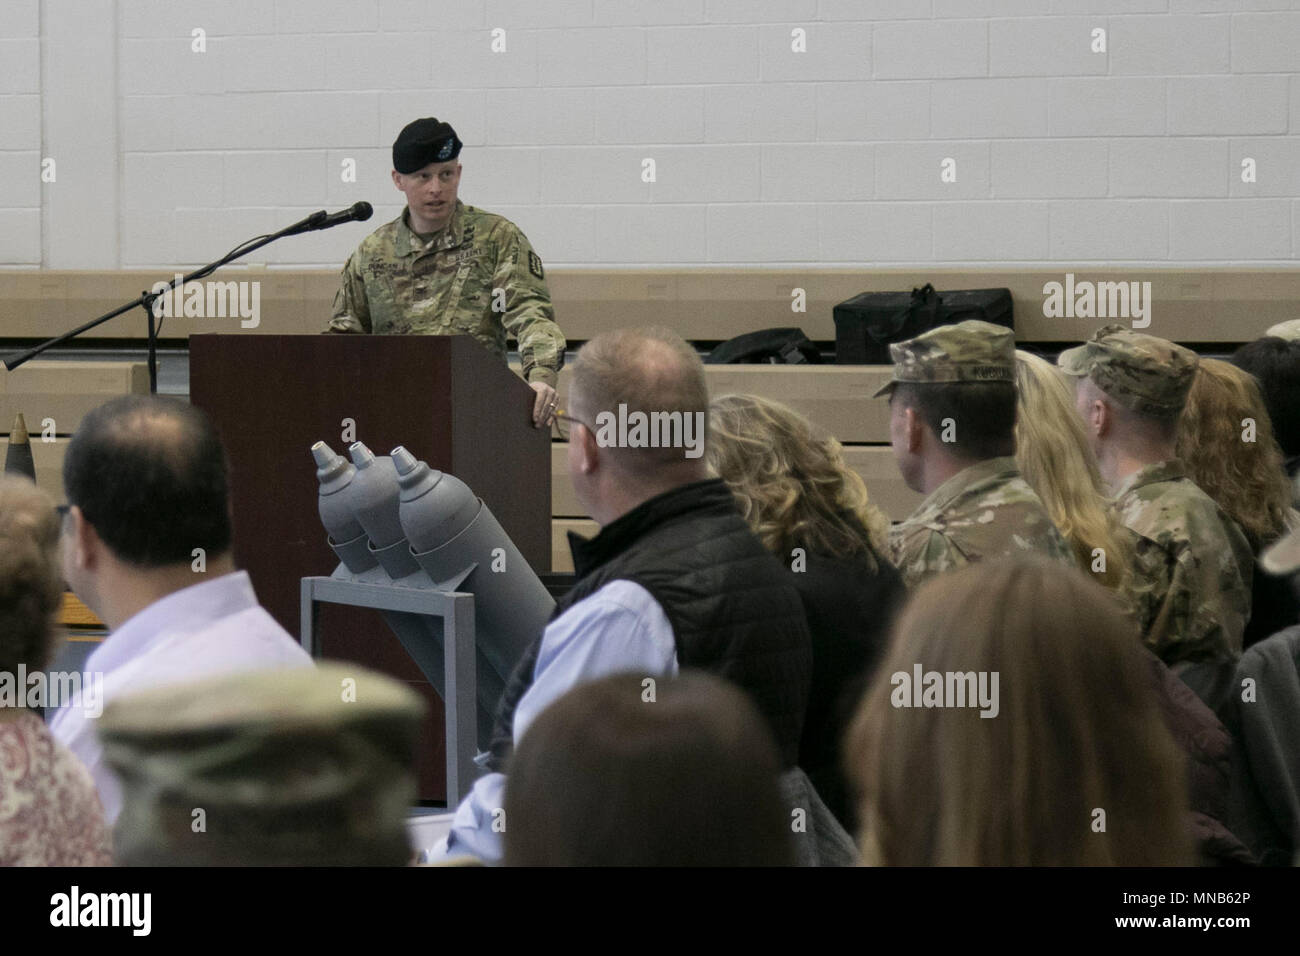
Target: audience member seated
49, 812
631, 770
952, 415
812, 511
1275, 363
1265, 717
1013, 724
674, 579
299, 767
1209, 749
1056, 459
1192, 564
146, 545
1225, 438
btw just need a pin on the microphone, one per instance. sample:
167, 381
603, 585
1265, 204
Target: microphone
357, 212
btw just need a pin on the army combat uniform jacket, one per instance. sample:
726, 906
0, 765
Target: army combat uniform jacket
1192, 566
984, 511
478, 276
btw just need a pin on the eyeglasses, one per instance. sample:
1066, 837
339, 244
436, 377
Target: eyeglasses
564, 424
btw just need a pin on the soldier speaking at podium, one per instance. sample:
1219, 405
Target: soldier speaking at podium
443, 267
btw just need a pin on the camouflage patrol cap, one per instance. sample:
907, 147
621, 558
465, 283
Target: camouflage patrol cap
970, 351
422, 142
1144, 373
308, 766
1289, 330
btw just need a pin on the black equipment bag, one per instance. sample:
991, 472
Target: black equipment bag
766, 347
866, 324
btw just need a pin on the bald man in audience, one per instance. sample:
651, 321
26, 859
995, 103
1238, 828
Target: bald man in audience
1193, 565
675, 579
146, 544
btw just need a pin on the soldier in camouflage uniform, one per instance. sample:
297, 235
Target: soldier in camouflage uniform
443, 267
312, 766
952, 418
1193, 565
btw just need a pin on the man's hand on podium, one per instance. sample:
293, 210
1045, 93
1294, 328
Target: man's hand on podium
544, 404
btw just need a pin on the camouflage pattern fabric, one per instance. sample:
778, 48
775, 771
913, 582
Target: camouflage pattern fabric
971, 351
311, 766
1148, 375
984, 511
397, 284
1192, 568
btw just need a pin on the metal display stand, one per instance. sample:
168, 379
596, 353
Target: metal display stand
453, 671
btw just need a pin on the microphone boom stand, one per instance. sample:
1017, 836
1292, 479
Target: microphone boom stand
147, 299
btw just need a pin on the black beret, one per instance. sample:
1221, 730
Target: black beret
423, 142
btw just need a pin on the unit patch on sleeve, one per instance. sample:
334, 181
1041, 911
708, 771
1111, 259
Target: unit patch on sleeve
535, 264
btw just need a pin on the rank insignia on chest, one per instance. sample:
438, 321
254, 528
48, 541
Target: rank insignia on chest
535, 264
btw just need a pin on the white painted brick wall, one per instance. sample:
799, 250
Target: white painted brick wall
913, 170
764, 156
1044, 46
1173, 45
1169, 167
981, 108
981, 231
876, 232
1230, 228
20, 135
1218, 105
1048, 168
1102, 230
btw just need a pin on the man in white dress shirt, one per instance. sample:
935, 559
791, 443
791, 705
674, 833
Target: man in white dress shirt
674, 580
147, 547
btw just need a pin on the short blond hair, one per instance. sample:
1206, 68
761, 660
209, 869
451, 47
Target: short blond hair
31, 578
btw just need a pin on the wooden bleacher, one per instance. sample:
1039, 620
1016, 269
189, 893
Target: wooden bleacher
1216, 307
704, 305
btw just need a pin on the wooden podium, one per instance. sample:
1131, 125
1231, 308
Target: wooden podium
446, 398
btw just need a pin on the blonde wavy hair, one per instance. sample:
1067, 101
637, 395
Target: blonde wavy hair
31, 577
1246, 479
1054, 456
791, 482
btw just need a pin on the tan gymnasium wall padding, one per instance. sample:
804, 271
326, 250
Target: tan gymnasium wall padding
561, 556
64, 391
875, 463
1190, 305
835, 397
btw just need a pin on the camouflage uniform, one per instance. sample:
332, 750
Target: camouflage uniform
1188, 586
308, 767
986, 510
396, 283
1192, 565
